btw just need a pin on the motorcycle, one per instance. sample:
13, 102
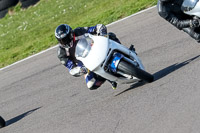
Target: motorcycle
191, 7
111, 60
2, 122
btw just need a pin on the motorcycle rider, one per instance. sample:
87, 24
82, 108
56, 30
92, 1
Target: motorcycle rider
68, 40
171, 11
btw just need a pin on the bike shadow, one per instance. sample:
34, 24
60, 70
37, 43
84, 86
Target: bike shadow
17, 118
162, 73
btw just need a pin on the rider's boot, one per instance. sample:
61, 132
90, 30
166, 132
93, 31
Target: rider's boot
114, 84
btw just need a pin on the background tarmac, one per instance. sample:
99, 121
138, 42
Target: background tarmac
40, 96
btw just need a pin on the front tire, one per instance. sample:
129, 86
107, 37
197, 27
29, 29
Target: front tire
130, 69
2, 122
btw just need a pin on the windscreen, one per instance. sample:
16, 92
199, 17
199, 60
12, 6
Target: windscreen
188, 5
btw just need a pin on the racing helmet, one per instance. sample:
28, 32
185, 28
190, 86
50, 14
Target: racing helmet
63, 34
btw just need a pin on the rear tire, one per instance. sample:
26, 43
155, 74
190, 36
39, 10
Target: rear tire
3, 13
2, 122
4, 4
130, 69
27, 3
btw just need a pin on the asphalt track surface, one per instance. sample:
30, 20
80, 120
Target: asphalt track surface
39, 96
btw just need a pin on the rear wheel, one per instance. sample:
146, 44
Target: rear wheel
130, 69
2, 122
27, 3
3, 13
4, 4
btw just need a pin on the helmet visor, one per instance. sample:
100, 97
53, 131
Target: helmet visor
65, 41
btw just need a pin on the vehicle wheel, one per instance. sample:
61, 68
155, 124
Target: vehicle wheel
2, 122
3, 13
4, 4
134, 71
27, 3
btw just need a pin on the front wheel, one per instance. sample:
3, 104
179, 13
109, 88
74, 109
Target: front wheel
2, 122
130, 69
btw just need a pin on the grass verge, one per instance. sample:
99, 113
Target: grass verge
24, 32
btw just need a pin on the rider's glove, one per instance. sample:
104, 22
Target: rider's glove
194, 23
75, 71
78, 71
101, 30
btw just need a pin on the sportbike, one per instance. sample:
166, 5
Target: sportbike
111, 60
